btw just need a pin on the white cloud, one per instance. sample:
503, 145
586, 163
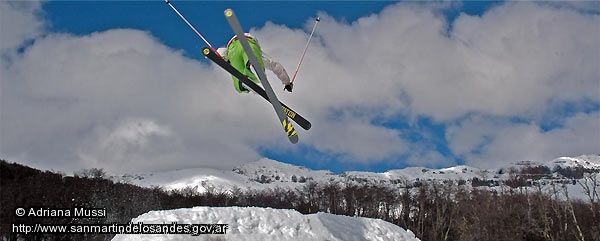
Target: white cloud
84, 87
511, 61
583, 6
491, 143
516, 60
356, 141
72, 98
521, 56
129, 144
20, 21
421, 155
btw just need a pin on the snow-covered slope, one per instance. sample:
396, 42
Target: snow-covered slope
265, 224
414, 173
200, 178
266, 173
585, 161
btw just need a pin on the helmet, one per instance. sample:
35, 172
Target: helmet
247, 35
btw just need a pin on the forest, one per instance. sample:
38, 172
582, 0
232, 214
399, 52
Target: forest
433, 210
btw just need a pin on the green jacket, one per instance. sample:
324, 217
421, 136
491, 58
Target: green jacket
235, 54
239, 60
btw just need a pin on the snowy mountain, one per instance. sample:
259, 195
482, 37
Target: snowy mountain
263, 224
266, 173
585, 161
253, 223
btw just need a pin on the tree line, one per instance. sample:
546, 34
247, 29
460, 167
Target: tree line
433, 210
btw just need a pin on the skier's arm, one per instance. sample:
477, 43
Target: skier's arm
223, 53
277, 68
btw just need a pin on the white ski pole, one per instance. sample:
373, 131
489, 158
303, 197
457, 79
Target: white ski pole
305, 48
191, 26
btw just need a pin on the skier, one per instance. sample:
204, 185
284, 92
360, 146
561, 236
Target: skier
234, 54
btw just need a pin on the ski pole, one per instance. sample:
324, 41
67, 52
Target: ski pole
305, 48
191, 26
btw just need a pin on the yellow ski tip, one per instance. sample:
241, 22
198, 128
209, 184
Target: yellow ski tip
228, 12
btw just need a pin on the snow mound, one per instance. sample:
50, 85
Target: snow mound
263, 224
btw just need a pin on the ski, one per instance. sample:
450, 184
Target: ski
210, 54
285, 122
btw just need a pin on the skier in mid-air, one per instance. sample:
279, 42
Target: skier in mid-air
234, 54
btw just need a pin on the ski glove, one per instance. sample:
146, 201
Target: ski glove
289, 87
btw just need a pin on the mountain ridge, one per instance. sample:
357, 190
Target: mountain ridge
266, 173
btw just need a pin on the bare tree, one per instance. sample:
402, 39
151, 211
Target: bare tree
591, 187
578, 233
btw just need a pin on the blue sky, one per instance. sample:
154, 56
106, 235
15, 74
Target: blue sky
123, 85
207, 16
